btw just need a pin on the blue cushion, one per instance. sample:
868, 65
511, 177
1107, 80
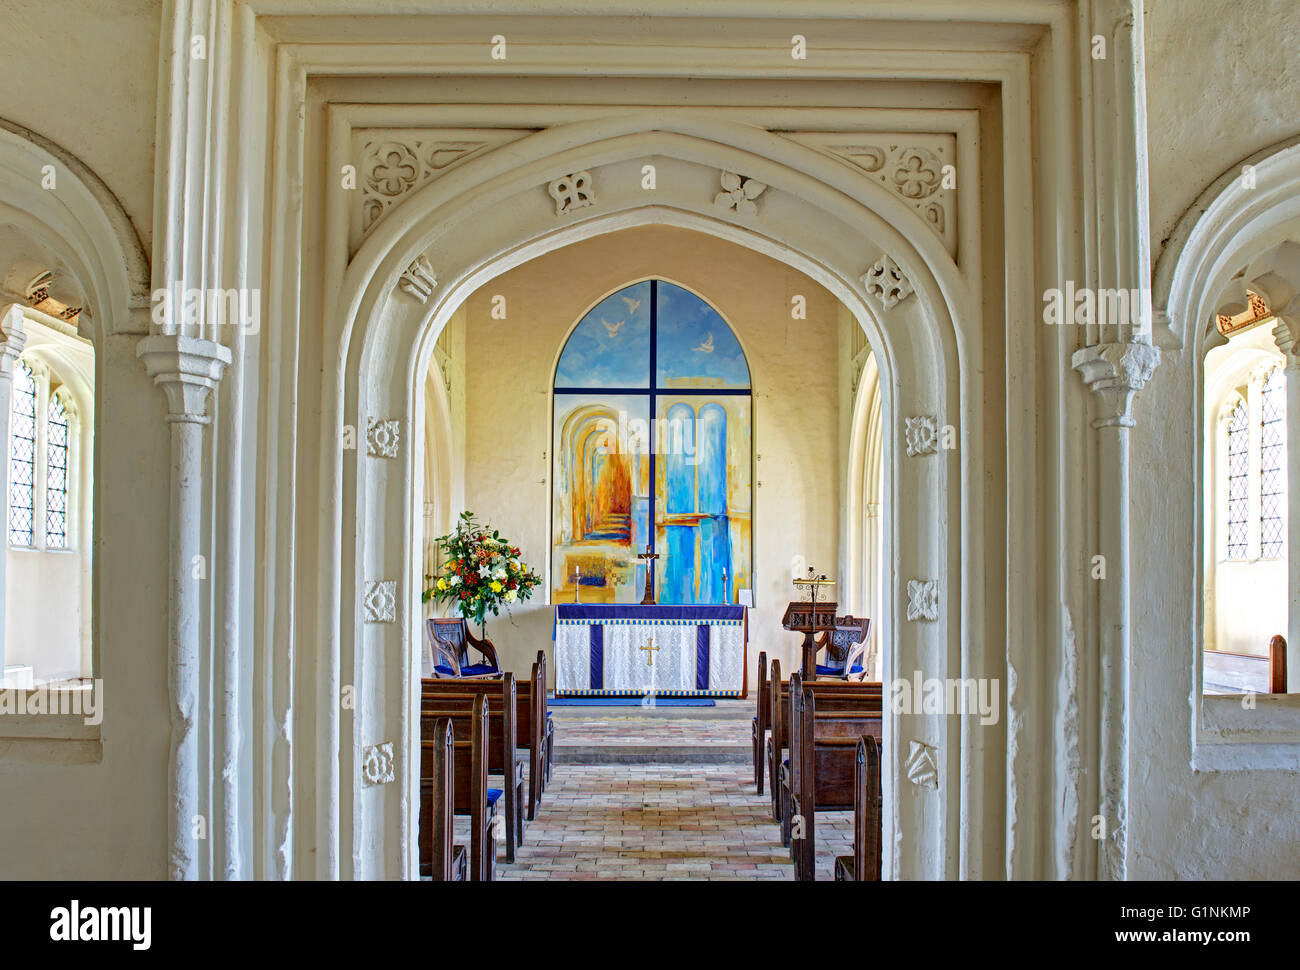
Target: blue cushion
445, 670
548, 712
825, 671
493, 794
478, 670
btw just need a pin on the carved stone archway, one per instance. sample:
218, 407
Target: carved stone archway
493, 214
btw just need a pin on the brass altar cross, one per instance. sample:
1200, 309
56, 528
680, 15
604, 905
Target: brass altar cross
649, 649
649, 597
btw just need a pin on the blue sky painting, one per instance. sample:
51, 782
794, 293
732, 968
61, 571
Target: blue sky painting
611, 346
696, 347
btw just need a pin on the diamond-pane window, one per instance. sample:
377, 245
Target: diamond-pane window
1238, 473
22, 456
1272, 467
56, 475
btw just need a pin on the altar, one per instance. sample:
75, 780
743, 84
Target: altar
632, 651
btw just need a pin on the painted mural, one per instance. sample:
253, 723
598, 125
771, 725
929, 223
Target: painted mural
665, 465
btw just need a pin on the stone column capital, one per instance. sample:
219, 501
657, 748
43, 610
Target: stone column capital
1286, 334
1115, 372
187, 369
13, 337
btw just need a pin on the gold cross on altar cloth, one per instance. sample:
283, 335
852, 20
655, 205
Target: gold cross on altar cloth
649, 649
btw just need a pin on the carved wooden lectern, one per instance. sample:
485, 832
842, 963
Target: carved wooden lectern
809, 618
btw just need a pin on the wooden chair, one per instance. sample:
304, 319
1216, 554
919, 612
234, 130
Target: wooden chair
865, 863
451, 640
1277, 665
758, 733
440, 857
846, 648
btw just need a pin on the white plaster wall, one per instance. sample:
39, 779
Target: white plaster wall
1184, 823
1252, 601
1221, 85
97, 810
85, 75
793, 367
43, 612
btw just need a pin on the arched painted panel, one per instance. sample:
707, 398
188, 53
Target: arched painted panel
663, 465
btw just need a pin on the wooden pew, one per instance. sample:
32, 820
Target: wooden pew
864, 864
761, 719
823, 745
531, 723
470, 792
440, 857
777, 738
778, 708
544, 715
1277, 665
444, 699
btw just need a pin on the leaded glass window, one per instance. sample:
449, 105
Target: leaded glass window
56, 475
1272, 465
1238, 476
22, 456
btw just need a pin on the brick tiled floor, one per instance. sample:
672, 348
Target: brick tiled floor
604, 820
634, 729
661, 822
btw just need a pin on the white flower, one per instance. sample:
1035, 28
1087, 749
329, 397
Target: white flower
454, 581
484, 571
499, 572
511, 595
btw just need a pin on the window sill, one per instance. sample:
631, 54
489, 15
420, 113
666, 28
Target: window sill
1231, 737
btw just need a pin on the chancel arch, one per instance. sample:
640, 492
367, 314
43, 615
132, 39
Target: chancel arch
448, 224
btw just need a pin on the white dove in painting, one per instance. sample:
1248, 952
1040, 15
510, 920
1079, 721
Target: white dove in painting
631, 304
707, 346
612, 328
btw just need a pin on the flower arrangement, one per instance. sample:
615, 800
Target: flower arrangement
480, 572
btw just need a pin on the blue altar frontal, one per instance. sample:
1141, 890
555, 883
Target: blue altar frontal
631, 651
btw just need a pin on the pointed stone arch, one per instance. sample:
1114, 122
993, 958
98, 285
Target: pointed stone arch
495, 212
1241, 236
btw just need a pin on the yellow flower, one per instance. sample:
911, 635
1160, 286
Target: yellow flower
442, 583
496, 586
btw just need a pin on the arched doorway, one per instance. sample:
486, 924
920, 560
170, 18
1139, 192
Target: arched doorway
917, 357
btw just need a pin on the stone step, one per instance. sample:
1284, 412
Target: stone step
657, 754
